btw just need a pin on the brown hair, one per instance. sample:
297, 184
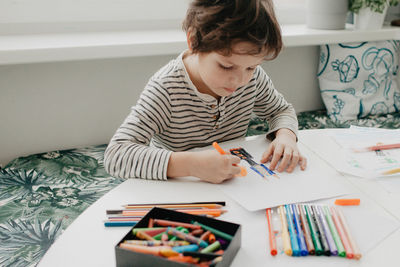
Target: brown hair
215, 25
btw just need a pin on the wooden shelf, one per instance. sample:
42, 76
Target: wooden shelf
18, 49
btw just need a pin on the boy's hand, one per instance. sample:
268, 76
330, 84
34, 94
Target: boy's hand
284, 149
212, 167
208, 165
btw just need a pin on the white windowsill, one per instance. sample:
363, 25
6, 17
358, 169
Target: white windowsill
16, 49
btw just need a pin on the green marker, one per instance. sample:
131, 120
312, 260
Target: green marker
335, 234
318, 249
214, 231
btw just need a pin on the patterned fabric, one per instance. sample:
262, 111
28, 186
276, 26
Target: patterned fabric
359, 79
40, 195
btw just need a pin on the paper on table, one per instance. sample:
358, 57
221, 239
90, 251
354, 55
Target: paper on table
328, 144
253, 192
357, 137
369, 164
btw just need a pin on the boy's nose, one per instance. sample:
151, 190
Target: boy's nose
237, 80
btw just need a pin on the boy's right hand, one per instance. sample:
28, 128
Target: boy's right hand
212, 167
208, 165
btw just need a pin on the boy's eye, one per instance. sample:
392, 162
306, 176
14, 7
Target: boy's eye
224, 67
251, 69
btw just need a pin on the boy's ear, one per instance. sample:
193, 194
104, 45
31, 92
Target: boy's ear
189, 40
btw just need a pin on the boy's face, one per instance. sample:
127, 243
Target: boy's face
221, 75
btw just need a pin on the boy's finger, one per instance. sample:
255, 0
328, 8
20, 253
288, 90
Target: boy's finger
285, 160
235, 159
275, 158
293, 163
303, 163
267, 154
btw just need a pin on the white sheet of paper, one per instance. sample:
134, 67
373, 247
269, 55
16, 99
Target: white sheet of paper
391, 184
318, 181
365, 165
361, 137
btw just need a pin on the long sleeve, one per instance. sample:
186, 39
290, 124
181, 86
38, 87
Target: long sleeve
271, 106
128, 154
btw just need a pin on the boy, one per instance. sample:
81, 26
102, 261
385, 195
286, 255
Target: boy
208, 94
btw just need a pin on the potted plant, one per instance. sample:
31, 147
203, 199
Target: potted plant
370, 14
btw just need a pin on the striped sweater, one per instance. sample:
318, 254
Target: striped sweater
172, 115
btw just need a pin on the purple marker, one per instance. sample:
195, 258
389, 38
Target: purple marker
329, 237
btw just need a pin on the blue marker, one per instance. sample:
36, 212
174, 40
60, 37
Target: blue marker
292, 233
300, 234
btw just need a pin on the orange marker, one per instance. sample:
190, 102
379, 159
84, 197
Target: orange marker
342, 234
356, 251
272, 241
347, 202
243, 171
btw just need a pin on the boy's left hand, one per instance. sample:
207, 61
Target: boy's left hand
284, 149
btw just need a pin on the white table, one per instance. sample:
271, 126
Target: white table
86, 242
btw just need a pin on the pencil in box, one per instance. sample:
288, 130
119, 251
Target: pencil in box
133, 247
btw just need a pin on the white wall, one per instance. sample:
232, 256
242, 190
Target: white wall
50, 106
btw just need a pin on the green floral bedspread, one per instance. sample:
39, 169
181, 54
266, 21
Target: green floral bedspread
41, 194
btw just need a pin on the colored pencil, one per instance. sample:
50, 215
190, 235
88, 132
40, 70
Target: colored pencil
383, 147
272, 240
222, 203
392, 171
157, 243
212, 212
209, 205
176, 224
117, 224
